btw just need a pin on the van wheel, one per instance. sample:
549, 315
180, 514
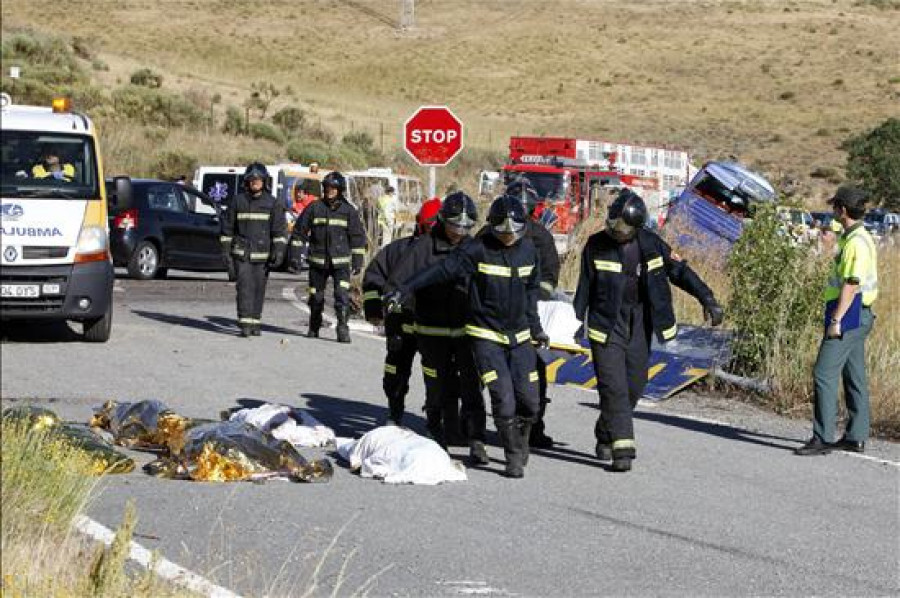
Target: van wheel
98, 329
144, 262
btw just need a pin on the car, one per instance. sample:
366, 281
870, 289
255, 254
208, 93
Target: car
164, 225
881, 223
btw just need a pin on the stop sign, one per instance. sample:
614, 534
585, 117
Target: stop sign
433, 135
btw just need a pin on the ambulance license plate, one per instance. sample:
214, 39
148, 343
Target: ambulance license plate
20, 291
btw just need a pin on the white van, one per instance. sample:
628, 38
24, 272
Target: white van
222, 183
364, 187
53, 221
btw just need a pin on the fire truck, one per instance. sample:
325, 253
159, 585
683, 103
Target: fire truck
570, 187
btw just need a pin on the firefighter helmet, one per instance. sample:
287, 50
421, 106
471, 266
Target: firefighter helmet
525, 191
335, 179
626, 215
256, 170
507, 217
428, 215
458, 213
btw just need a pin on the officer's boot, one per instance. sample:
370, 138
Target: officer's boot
524, 424
343, 330
435, 427
315, 320
475, 431
513, 448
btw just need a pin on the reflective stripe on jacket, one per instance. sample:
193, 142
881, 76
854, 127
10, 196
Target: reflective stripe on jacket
601, 284
334, 235
253, 227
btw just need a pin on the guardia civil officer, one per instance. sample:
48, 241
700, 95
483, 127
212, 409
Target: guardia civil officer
441, 312
851, 291
548, 258
399, 328
332, 236
624, 298
502, 273
253, 239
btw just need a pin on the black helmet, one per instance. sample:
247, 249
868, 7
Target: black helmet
507, 215
335, 179
458, 213
525, 192
627, 214
257, 170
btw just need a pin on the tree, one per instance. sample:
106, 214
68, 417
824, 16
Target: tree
874, 162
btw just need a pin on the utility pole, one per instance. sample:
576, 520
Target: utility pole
407, 14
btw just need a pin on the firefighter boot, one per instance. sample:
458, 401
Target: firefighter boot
315, 320
538, 438
255, 330
511, 439
246, 330
622, 456
343, 331
435, 426
475, 431
524, 424
453, 432
395, 410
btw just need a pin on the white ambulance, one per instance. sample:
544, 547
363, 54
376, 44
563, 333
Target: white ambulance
54, 243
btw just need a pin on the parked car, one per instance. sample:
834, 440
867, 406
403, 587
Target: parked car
881, 223
166, 225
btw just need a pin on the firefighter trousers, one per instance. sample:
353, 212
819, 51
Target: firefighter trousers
621, 369
318, 279
401, 351
450, 376
251, 290
510, 374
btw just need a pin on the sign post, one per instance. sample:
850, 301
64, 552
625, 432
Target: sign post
433, 136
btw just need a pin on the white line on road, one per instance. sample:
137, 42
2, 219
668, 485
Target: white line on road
361, 328
161, 566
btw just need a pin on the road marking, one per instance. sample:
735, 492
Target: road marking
474, 588
362, 329
161, 566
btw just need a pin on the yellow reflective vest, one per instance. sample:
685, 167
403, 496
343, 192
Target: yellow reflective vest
855, 262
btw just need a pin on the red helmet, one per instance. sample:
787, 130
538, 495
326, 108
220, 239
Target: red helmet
427, 215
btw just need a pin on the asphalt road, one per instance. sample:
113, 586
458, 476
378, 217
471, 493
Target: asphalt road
710, 508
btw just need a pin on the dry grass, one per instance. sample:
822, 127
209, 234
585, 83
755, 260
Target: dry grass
883, 348
779, 85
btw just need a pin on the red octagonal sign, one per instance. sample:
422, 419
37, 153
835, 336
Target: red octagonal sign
433, 135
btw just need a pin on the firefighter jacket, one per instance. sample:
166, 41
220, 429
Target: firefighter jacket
601, 284
333, 233
376, 278
547, 256
502, 287
254, 227
440, 309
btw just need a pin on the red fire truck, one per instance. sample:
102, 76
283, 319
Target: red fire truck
570, 189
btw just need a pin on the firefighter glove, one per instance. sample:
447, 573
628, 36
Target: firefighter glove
393, 302
713, 312
277, 256
542, 340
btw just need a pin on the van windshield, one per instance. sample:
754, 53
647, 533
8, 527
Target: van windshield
40, 165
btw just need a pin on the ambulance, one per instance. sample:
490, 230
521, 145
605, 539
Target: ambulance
54, 243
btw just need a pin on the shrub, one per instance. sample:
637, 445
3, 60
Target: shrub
170, 165
234, 121
874, 162
146, 78
289, 119
266, 131
307, 151
155, 107
775, 305
318, 132
83, 48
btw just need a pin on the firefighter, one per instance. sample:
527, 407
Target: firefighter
399, 328
502, 271
253, 240
624, 297
440, 310
549, 263
331, 234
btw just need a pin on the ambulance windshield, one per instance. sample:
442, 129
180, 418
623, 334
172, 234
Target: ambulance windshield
51, 165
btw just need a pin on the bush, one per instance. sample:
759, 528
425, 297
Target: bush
874, 162
289, 119
775, 305
146, 78
266, 131
234, 121
318, 132
307, 151
155, 107
170, 165
34, 49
